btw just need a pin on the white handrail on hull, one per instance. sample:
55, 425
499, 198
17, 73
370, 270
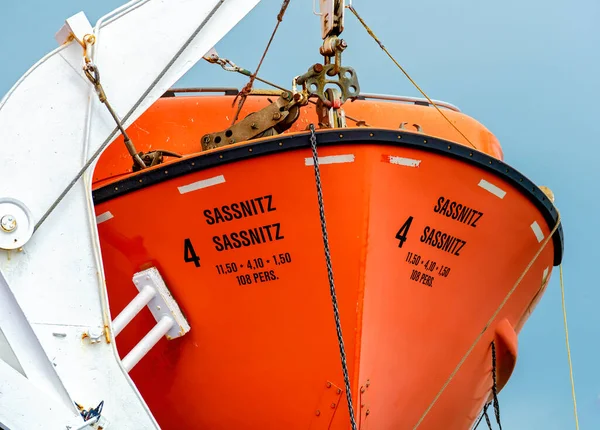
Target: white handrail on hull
50, 122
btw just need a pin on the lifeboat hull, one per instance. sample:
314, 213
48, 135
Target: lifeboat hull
427, 239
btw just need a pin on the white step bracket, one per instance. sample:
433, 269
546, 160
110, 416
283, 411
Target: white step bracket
76, 27
170, 321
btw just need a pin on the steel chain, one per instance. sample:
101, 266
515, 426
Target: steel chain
495, 387
495, 396
487, 418
336, 313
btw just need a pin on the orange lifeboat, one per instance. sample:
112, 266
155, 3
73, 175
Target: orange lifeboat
430, 241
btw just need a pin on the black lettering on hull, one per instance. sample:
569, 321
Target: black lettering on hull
239, 210
457, 211
249, 237
442, 241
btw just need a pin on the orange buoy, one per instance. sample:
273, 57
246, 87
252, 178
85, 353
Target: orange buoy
428, 236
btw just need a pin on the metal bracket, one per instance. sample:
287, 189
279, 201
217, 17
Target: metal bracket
170, 320
331, 117
326, 408
153, 158
318, 77
278, 116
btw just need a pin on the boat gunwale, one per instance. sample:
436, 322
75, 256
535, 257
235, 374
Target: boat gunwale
330, 137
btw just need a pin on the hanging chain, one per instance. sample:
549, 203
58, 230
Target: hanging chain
495, 386
336, 313
487, 417
495, 396
491, 320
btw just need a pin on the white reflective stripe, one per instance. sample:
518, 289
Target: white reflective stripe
104, 217
331, 159
545, 275
205, 183
401, 161
488, 186
537, 231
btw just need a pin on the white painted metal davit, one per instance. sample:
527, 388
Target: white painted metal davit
52, 291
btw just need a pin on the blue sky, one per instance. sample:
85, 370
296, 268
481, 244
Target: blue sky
528, 70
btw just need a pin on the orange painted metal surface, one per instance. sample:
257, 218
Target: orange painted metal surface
178, 123
423, 254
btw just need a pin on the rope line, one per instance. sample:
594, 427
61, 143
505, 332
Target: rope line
407, 75
564, 310
489, 322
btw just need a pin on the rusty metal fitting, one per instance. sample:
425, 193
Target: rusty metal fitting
329, 46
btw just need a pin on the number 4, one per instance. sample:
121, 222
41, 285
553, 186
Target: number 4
401, 235
189, 255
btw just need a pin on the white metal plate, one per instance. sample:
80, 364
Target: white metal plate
163, 304
22, 220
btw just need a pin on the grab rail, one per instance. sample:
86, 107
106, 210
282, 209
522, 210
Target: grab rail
407, 99
363, 96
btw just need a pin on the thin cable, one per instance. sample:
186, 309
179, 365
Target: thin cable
407, 75
564, 309
487, 325
126, 117
243, 94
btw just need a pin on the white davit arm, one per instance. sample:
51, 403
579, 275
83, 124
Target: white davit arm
52, 283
